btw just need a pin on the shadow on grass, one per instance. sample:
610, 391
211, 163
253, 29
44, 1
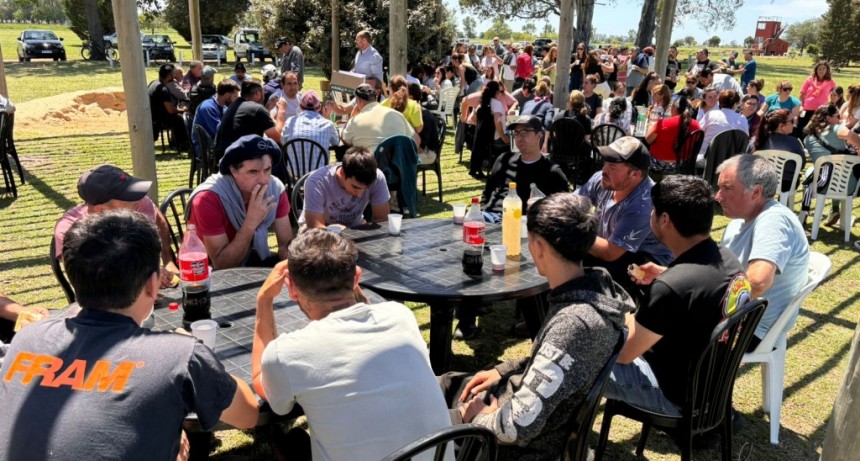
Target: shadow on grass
78, 136
60, 200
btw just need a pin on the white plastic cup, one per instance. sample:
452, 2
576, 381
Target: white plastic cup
206, 331
498, 256
459, 213
394, 222
334, 228
524, 229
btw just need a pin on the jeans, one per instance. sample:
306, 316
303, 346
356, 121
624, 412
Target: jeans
636, 385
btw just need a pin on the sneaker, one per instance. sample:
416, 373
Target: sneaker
832, 220
466, 331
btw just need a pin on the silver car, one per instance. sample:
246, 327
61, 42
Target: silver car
215, 47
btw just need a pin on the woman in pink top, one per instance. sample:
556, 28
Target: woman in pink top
815, 92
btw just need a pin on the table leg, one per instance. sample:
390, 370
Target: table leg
441, 323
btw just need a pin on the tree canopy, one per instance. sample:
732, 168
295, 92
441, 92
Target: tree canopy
77, 14
837, 34
469, 27
216, 16
50, 11
802, 34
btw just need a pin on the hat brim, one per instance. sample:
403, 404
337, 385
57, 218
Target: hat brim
237, 156
136, 190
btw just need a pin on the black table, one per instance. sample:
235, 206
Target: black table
424, 264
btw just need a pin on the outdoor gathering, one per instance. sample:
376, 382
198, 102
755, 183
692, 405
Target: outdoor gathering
426, 229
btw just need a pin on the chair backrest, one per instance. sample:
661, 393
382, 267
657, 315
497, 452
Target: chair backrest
442, 125
475, 442
583, 419
300, 157
685, 160
397, 158
840, 174
297, 197
566, 137
779, 158
57, 269
448, 100
207, 166
605, 134
175, 208
724, 145
709, 391
818, 268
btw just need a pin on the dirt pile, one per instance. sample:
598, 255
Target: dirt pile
90, 111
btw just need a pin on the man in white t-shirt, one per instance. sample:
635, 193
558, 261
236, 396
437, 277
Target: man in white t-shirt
291, 96
360, 372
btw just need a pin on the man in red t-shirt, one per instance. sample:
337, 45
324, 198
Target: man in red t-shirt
524, 67
233, 209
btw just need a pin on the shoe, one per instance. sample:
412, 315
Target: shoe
857, 245
832, 220
466, 331
477, 174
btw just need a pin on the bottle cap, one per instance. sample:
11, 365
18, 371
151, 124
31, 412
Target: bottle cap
173, 306
476, 200
513, 185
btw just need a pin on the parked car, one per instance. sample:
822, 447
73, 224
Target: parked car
159, 47
113, 39
215, 47
39, 44
247, 45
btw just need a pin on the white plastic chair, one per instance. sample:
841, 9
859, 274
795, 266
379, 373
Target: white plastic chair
779, 158
447, 101
771, 351
840, 175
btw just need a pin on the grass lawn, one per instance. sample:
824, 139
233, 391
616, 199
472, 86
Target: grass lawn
54, 159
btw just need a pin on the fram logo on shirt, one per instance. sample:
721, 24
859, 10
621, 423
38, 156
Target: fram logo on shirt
103, 376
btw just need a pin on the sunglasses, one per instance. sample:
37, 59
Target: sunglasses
787, 89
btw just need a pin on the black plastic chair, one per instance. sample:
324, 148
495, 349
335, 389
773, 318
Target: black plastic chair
300, 157
203, 166
5, 163
8, 134
605, 134
725, 145
176, 208
436, 166
475, 442
59, 274
568, 150
297, 197
583, 419
685, 161
709, 390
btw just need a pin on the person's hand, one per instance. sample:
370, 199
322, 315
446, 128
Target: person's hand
476, 406
274, 282
646, 273
282, 104
30, 315
259, 206
169, 275
480, 382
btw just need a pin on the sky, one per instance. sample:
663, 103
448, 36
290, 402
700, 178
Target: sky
623, 15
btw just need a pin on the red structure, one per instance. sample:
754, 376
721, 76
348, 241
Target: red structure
766, 39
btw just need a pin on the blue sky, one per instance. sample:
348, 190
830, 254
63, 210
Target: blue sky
623, 15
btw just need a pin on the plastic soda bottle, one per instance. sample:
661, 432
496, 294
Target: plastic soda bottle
473, 240
535, 195
194, 275
512, 212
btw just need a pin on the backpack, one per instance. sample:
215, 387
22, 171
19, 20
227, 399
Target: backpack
508, 58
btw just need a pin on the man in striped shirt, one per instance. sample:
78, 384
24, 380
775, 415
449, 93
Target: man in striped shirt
310, 124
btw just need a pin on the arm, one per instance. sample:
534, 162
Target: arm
265, 329
314, 220
167, 256
500, 129
244, 409
225, 253
760, 273
652, 131
380, 212
284, 234
170, 108
605, 250
763, 110
849, 136
639, 340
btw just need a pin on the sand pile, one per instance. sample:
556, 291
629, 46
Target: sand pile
90, 111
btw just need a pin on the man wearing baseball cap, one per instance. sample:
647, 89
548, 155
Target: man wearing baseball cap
310, 124
234, 208
621, 195
374, 122
202, 90
107, 187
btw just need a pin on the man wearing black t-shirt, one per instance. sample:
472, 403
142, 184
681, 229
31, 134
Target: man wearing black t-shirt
163, 107
703, 62
673, 69
685, 301
246, 115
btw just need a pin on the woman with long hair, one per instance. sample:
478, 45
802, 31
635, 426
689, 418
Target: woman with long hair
666, 137
774, 133
814, 93
474, 60
492, 61
826, 135
661, 102
592, 66
615, 115
548, 64
577, 110
442, 78
593, 101
541, 105
782, 99
642, 94
577, 61
491, 121
399, 101
850, 110
754, 88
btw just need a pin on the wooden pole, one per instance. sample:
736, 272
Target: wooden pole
397, 37
136, 96
196, 34
664, 37
842, 440
565, 35
3, 88
335, 36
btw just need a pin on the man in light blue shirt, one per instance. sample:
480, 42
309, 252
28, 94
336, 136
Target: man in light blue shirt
209, 113
309, 124
765, 235
368, 61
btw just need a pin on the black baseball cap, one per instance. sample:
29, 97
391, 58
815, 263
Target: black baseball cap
529, 121
365, 92
107, 182
627, 150
250, 146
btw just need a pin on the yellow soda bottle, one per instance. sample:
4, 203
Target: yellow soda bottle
512, 211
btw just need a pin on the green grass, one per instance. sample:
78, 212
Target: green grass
53, 159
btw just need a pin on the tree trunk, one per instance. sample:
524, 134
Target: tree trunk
664, 36
94, 27
335, 37
841, 439
647, 25
397, 37
196, 37
584, 16
565, 34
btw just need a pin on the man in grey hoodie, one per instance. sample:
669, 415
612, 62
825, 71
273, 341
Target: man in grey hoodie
529, 401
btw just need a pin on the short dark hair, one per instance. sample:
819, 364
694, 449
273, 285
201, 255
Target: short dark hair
728, 99
251, 86
689, 202
322, 264
360, 164
109, 257
365, 34
227, 86
566, 222
165, 70
705, 73
239, 66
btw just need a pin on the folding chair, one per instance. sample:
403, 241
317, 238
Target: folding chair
475, 442
59, 273
300, 157
176, 208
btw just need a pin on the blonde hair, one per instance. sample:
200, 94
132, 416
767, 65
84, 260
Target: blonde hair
542, 89
576, 102
665, 95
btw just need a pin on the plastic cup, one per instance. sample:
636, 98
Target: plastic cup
524, 227
394, 222
459, 213
498, 254
206, 331
334, 228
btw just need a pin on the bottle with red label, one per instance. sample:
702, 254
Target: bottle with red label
194, 274
473, 240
